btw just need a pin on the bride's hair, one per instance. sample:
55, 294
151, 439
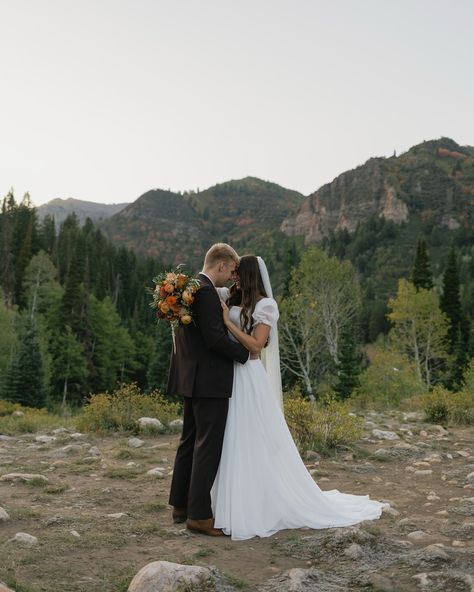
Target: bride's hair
251, 288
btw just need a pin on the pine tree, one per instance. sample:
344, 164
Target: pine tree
25, 377
450, 301
421, 275
348, 369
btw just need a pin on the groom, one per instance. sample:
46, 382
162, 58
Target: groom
202, 370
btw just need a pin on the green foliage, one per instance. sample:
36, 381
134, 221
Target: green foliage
120, 410
421, 276
437, 404
387, 381
24, 381
31, 421
348, 368
419, 329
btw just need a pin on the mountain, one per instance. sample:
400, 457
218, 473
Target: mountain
60, 209
178, 227
433, 181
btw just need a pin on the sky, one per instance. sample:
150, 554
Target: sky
103, 100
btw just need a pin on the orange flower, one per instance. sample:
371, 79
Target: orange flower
181, 281
163, 292
171, 300
164, 307
187, 297
186, 319
170, 277
169, 288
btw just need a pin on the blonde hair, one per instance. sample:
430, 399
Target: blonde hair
220, 252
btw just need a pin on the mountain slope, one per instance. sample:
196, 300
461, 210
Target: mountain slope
60, 209
433, 180
179, 227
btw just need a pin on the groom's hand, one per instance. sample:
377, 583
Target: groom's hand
225, 312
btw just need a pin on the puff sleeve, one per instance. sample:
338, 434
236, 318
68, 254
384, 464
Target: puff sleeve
266, 312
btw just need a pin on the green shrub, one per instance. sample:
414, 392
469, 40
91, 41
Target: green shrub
389, 380
436, 405
7, 407
121, 409
461, 408
32, 421
320, 426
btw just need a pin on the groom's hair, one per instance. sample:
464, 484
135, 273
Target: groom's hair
220, 252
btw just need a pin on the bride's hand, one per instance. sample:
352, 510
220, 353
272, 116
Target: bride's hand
225, 312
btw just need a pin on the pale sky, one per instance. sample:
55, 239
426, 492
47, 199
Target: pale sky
103, 100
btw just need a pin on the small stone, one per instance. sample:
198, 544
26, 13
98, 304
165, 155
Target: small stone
117, 515
18, 413
418, 535
45, 439
157, 472
385, 435
94, 451
390, 511
75, 534
462, 453
470, 477
381, 583
442, 513
150, 422
60, 431
458, 544
24, 537
77, 435
176, 424
135, 442
422, 579
432, 496
312, 455
354, 551
23, 477
423, 433
4, 515
423, 473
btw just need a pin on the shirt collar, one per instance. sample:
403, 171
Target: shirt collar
205, 275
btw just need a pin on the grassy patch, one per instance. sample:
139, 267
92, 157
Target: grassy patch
204, 552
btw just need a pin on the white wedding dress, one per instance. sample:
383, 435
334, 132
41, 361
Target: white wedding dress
262, 485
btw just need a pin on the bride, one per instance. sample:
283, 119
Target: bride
262, 485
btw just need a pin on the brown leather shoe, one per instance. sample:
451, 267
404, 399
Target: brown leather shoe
179, 515
204, 527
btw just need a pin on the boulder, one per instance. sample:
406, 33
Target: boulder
164, 576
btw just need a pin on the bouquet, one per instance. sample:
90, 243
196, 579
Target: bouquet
173, 296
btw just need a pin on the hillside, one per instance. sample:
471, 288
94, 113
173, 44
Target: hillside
177, 227
60, 209
433, 181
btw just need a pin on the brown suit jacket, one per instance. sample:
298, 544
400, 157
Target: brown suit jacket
203, 365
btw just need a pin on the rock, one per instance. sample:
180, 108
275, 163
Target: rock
305, 580
94, 451
423, 473
381, 583
413, 416
72, 449
117, 515
169, 577
176, 424
157, 472
462, 453
355, 551
3, 515
390, 511
429, 556
422, 579
45, 439
470, 477
60, 431
432, 496
23, 477
439, 429
418, 535
385, 435
25, 538
458, 544
312, 455
150, 423
77, 435
4, 438
135, 442
75, 534
18, 413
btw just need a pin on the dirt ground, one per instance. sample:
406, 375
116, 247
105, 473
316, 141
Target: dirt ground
425, 475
